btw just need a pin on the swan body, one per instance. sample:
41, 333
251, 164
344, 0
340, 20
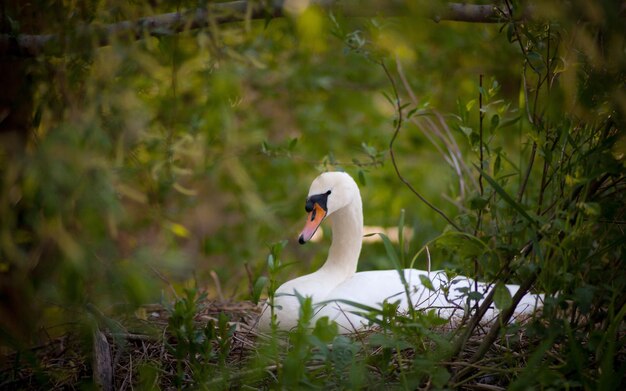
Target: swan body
336, 197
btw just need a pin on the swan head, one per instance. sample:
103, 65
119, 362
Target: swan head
328, 193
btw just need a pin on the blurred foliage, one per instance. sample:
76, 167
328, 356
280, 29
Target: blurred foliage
153, 162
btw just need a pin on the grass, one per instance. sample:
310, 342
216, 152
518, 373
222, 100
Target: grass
156, 351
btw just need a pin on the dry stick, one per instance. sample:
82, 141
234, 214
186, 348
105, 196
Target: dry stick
482, 309
26, 45
218, 286
393, 158
503, 319
165, 280
31, 45
102, 369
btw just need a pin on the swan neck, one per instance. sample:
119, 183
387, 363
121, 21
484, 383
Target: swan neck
347, 238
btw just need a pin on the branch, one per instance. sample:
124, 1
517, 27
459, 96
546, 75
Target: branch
32, 45
473, 13
398, 126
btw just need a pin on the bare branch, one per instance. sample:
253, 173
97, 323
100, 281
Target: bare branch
31, 45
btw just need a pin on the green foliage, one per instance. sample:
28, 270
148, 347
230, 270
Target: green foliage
197, 348
149, 164
190, 343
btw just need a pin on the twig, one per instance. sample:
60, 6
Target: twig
482, 386
481, 116
131, 336
165, 280
503, 319
398, 125
239, 375
218, 286
474, 321
32, 45
522, 188
479, 367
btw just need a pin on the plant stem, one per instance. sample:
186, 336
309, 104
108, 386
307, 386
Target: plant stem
480, 129
393, 158
531, 160
481, 116
503, 319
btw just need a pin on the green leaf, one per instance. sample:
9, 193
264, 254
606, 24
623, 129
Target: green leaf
466, 130
391, 252
510, 33
583, 297
495, 121
502, 296
509, 200
292, 143
260, 283
470, 104
362, 178
536, 61
589, 208
359, 306
497, 164
509, 121
440, 376
427, 283
465, 245
475, 296
478, 202
389, 99
325, 330
387, 341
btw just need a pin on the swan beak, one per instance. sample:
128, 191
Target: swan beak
313, 221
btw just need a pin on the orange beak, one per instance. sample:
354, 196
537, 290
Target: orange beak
313, 221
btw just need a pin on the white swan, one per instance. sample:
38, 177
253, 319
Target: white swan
335, 196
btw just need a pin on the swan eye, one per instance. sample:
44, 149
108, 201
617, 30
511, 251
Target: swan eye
320, 199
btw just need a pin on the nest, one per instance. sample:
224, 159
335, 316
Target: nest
117, 360
143, 350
